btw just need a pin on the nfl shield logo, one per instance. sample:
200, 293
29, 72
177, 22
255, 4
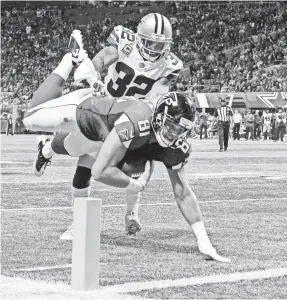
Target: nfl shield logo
141, 65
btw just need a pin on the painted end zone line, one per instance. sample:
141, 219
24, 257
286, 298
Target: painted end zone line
160, 284
142, 204
46, 268
20, 288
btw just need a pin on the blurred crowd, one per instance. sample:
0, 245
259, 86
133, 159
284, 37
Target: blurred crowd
226, 46
232, 47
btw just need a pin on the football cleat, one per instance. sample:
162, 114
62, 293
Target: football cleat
132, 223
76, 47
68, 234
208, 250
41, 162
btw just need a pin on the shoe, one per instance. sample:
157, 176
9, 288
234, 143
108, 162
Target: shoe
76, 47
41, 162
221, 150
225, 148
68, 234
86, 70
132, 223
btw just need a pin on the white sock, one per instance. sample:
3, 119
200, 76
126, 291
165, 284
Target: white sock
132, 200
85, 192
199, 231
65, 66
47, 150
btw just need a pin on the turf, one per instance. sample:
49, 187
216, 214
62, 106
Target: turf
251, 232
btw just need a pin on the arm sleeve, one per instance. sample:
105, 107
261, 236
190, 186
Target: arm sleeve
125, 130
114, 37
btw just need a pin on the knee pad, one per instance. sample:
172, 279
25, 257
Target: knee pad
82, 178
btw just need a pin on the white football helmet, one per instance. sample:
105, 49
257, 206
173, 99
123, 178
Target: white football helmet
154, 36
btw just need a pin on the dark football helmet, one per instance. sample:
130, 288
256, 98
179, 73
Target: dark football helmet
173, 119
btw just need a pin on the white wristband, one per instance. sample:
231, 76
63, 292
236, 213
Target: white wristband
134, 186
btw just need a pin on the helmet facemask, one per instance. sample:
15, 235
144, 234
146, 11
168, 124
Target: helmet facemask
169, 132
153, 48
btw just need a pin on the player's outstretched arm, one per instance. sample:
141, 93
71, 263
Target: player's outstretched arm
105, 58
101, 62
105, 168
188, 205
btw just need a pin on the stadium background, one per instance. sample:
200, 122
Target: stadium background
234, 49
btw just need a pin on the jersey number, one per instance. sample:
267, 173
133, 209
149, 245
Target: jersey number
173, 58
126, 77
144, 127
128, 35
182, 145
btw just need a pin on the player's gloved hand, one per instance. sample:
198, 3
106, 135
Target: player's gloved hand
98, 87
138, 185
206, 248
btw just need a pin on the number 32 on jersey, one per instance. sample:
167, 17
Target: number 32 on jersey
126, 76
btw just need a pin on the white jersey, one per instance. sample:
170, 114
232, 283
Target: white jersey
131, 74
267, 118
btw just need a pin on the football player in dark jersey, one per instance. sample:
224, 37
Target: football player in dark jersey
130, 130
139, 65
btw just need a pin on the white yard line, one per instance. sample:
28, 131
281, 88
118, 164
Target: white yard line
231, 277
35, 181
142, 204
205, 175
19, 288
276, 178
46, 268
42, 268
13, 162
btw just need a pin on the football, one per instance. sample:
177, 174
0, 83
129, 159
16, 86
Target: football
134, 168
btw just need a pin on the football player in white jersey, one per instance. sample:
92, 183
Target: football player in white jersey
139, 65
267, 118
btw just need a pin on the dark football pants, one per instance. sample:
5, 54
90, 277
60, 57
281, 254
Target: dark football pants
257, 131
251, 130
223, 133
9, 128
203, 126
280, 132
236, 129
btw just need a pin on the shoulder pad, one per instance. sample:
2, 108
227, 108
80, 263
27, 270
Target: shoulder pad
173, 66
115, 35
121, 38
134, 126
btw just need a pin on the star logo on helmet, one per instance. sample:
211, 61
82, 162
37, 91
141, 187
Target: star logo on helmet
141, 65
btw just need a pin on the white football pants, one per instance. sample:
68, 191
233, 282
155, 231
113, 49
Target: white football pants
58, 115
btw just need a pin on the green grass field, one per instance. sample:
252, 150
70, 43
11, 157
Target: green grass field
242, 194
